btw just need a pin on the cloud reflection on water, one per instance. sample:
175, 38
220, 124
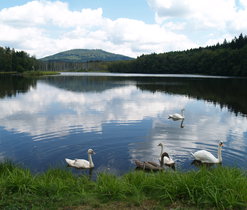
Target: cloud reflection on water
47, 109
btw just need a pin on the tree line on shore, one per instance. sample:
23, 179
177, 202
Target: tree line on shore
20, 61
228, 59
73, 66
16, 61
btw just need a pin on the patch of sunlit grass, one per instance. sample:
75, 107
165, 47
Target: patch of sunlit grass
219, 188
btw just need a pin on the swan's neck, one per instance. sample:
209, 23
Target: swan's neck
161, 152
162, 161
182, 112
219, 154
90, 161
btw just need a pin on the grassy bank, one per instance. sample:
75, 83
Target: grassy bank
39, 73
33, 73
220, 188
7, 72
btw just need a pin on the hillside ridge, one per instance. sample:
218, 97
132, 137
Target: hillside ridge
85, 55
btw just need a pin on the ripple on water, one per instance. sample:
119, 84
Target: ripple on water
70, 130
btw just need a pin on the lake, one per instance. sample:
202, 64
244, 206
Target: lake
122, 117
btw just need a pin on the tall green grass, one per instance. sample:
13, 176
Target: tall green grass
222, 188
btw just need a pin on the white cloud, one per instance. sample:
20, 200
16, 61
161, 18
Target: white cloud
170, 8
198, 19
206, 13
43, 28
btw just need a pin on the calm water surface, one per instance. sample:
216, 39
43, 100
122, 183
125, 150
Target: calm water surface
122, 117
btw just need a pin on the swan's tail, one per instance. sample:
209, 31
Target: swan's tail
69, 161
192, 154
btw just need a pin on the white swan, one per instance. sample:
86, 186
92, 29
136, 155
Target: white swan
207, 157
81, 163
177, 116
167, 160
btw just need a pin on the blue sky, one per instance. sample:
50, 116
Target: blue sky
133, 28
137, 9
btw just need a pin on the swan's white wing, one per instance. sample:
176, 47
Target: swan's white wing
70, 162
81, 163
205, 156
78, 163
177, 115
168, 161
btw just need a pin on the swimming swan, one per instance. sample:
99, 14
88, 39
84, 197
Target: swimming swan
167, 160
149, 165
81, 163
207, 157
177, 116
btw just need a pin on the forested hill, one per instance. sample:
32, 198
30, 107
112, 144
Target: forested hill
228, 58
85, 55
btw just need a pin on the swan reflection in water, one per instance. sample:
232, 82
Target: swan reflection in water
199, 164
181, 125
182, 121
83, 172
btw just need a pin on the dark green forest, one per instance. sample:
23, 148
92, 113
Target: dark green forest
16, 61
228, 59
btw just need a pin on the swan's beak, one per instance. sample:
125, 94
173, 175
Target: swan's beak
94, 152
